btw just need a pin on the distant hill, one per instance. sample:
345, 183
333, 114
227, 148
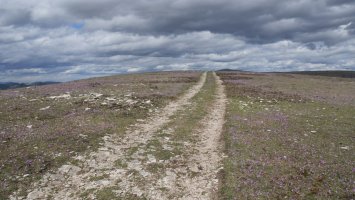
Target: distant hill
13, 85
230, 70
342, 74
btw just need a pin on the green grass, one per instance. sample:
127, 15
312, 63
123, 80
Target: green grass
86, 193
155, 167
106, 194
97, 178
120, 164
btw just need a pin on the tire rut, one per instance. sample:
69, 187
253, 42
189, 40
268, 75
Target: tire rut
193, 175
207, 159
112, 162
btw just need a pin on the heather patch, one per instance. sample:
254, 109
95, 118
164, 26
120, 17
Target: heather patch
282, 142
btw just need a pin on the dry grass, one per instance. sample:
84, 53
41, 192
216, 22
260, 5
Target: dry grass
43, 127
288, 136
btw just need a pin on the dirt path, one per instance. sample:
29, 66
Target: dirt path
69, 179
129, 168
195, 177
208, 157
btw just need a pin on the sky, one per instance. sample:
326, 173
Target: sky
61, 40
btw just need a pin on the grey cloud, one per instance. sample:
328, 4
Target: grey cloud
38, 38
256, 20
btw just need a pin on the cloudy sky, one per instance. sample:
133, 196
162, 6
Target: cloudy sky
63, 40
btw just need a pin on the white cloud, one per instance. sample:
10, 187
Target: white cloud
135, 69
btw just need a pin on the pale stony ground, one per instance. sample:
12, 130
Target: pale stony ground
122, 164
207, 158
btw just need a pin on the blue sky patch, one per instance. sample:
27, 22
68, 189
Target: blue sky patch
78, 25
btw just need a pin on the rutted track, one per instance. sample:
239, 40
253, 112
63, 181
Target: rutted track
197, 177
122, 165
208, 155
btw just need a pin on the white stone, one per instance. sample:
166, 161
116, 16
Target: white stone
45, 108
63, 96
345, 147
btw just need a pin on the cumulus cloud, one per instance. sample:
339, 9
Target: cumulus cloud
83, 38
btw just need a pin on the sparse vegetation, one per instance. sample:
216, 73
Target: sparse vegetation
97, 178
109, 194
180, 130
186, 120
106, 194
120, 164
288, 137
41, 128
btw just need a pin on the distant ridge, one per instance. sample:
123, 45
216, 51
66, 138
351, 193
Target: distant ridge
13, 85
231, 70
329, 73
335, 73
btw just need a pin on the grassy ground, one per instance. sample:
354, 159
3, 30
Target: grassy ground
43, 127
288, 137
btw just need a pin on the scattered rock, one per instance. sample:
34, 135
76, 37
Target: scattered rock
36, 194
345, 148
110, 99
151, 159
70, 170
131, 101
96, 95
144, 173
195, 168
68, 177
45, 108
63, 96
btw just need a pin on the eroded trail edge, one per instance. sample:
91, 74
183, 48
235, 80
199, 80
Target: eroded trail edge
115, 164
